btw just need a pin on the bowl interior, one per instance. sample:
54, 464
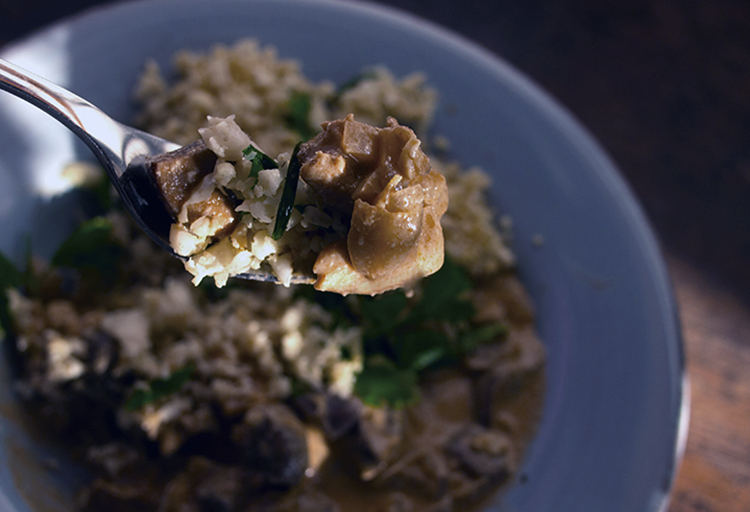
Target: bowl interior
611, 425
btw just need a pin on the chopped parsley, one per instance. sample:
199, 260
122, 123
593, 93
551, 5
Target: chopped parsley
97, 197
259, 160
473, 338
298, 117
159, 388
403, 337
382, 314
10, 277
420, 349
286, 204
354, 82
91, 247
382, 382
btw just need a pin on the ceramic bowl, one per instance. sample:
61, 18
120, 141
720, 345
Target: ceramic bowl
615, 409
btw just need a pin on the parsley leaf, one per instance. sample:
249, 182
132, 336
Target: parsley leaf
298, 118
97, 197
10, 277
421, 349
30, 280
443, 296
286, 205
91, 247
403, 337
354, 82
409, 335
381, 382
337, 305
471, 339
159, 388
259, 160
383, 313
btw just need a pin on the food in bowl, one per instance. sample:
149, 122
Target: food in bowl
260, 397
362, 202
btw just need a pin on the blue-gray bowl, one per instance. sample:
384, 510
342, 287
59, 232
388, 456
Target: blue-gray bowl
615, 411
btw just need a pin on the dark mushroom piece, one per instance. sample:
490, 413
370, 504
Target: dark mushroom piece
520, 352
203, 486
104, 495
503, 297
505, 369
220, 489
335, 414
483, 458
397, 502
177, 173
483, 451
304, 498
275, 446
103, 352
379, 433
425, 473
444, 505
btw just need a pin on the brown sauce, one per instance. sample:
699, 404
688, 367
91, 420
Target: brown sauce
446, 408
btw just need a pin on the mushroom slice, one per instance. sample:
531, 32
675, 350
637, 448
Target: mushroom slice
384, 181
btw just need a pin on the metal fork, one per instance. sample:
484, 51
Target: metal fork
122, 150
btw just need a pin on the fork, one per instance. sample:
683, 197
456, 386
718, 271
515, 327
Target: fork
122, 150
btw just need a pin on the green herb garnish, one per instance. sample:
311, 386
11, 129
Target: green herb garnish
354, 82
91, 247
443, 296
403, 337
10, 277
259, 160
337, 305
413, 337
100, 199
382, 314
30, 282
420, 349
159, 388
286, 205
473, 338
298, 118
383, 383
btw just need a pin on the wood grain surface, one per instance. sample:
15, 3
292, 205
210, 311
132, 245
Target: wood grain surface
715, 472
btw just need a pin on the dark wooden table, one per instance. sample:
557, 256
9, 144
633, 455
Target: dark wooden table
715, 473
665, 86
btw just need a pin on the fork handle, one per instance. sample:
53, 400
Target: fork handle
77, 114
